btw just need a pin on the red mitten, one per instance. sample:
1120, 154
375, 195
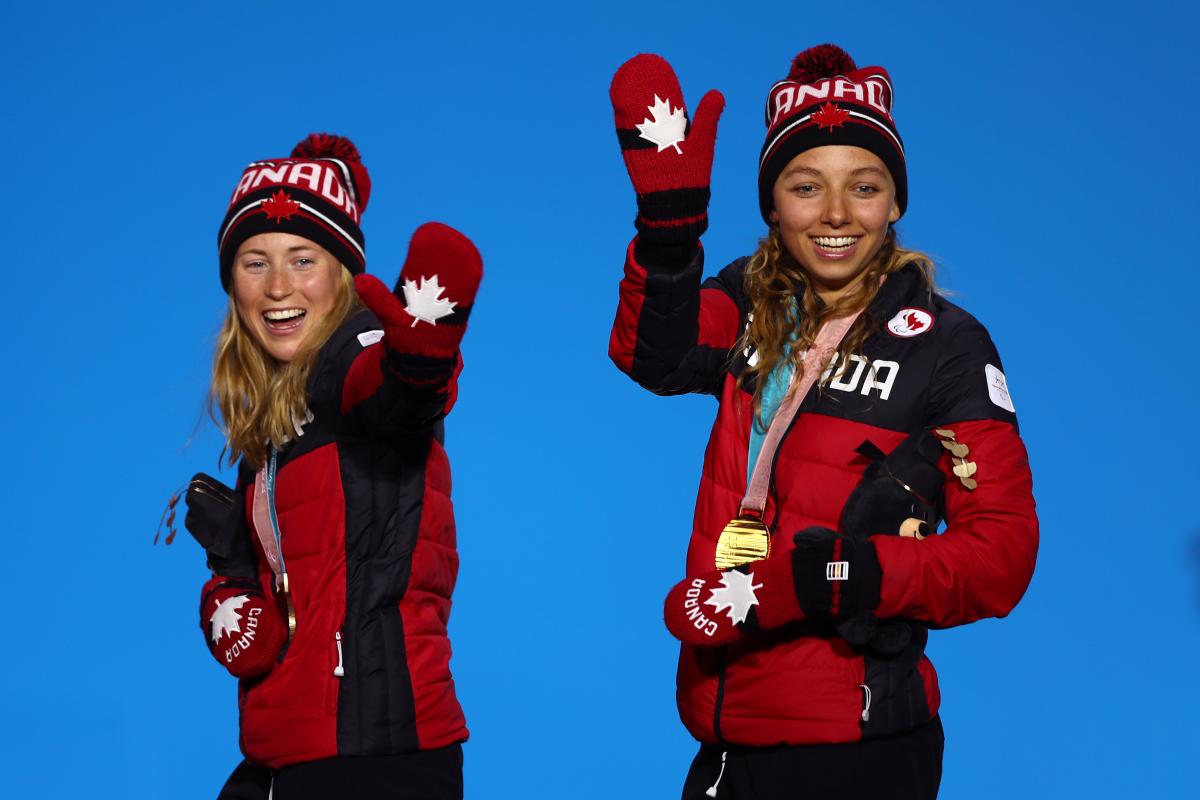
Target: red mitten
670, 165
720, 606
425, 318
243, 629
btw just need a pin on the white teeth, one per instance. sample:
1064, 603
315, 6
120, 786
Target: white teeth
835, 241
283, 314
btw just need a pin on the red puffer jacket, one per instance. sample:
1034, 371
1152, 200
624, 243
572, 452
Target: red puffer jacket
927, 365
362, 501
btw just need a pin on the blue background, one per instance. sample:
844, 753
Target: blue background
1053, 175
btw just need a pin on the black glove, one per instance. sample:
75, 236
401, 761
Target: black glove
215, 520
836, 577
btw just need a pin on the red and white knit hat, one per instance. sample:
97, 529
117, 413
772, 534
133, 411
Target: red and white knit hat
319, 193
826, 99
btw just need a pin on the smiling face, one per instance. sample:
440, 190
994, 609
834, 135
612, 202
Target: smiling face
833, 205
283, 285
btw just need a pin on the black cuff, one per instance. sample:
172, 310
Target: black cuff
659, 257
675, 216
863, 593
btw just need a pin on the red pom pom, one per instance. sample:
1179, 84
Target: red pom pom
326, 145
822, 61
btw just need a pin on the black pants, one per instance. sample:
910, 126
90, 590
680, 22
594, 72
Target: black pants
425, 775
903, 767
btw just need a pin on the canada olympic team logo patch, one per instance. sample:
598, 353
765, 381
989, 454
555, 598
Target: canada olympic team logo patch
910, 322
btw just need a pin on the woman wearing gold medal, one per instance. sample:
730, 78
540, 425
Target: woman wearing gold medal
334, 558
857, 409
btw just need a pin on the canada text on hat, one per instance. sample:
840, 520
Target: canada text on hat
319, 192
827, 100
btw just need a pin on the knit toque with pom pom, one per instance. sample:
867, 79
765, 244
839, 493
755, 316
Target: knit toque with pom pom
827, 99
319, 192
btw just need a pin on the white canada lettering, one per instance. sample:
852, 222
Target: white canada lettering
309, 173
702, 623
790, 97
877, 96
247, 638
793, 96
271, 174
316, 177
332, 189
783, 101
844, 87
880, 375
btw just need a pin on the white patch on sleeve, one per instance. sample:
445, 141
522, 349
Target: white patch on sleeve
368, 338
998, 388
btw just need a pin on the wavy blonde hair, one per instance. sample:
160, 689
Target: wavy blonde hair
774, 281
259, 398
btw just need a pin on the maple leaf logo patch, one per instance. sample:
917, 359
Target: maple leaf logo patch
226, 617
910, 322
425, 302
735, 595
280, 207
667, 127
830, 116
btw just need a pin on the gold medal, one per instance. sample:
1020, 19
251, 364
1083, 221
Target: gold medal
744, 539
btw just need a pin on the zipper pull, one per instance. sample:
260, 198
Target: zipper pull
866, 713
338, 671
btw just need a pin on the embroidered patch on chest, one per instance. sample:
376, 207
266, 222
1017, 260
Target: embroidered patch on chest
910, 322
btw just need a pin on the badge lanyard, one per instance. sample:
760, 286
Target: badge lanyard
747, 538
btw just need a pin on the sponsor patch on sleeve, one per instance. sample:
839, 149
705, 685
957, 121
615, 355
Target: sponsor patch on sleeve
998, 388
368, 338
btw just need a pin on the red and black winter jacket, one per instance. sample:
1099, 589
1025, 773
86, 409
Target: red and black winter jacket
362, 499
936, 368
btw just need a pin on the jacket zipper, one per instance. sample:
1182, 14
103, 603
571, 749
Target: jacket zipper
720, 701
866, 712
774, 494
338, 671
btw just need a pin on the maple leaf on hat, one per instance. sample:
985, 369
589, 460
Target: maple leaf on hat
830, 116
735, 594
225, 619
280, 206
425, 302
667, 128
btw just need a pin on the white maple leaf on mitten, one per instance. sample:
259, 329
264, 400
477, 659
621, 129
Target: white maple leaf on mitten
736, 594
667, 128
425, 302
225, 618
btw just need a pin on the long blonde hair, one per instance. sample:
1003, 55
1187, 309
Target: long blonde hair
778, 289
259, 398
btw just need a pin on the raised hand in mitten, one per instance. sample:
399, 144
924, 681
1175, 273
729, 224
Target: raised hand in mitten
242, 627
669, 160
425, 317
